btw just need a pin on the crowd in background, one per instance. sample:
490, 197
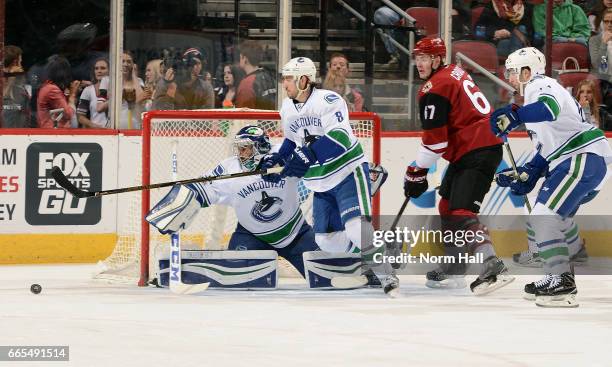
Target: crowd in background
71, 89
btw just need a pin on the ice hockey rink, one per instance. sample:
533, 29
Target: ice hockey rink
119, 325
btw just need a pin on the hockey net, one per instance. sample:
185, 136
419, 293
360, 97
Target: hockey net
200, 140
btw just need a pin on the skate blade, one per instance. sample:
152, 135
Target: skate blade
534, 264
562, 301
529, 296
486, 288
394, 293
453, 283
349, 282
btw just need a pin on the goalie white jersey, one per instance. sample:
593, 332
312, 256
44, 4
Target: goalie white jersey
270, 211
569, 134
323, 113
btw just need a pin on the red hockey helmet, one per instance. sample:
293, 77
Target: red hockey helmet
430, 46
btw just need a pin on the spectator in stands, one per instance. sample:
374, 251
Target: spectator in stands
152, 77
16, 112
506, 23
586, 95
336, 80
570, 23
88, 114
52, 96
226, 94
596, 16
600, 50
258, 88
132, 96
385, 16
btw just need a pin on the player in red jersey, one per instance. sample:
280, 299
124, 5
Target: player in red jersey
455, 120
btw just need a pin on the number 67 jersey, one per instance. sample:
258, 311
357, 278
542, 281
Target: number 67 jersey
454, 116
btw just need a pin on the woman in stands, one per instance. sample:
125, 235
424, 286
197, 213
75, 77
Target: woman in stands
89, 114
588, 97
225, 95
54, 109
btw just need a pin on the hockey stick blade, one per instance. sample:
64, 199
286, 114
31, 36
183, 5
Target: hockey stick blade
182, 288
63, 181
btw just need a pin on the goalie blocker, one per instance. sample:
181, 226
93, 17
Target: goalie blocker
257, 270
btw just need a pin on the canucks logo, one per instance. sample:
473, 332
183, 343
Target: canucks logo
331, 98
263, 211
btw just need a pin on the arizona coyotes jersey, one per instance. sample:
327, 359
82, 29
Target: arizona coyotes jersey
454, 116
569, 134
270, 211
323, 113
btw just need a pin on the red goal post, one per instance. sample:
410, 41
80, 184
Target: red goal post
215, 128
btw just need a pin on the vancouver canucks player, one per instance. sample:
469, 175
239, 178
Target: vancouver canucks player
570, 153
320, 146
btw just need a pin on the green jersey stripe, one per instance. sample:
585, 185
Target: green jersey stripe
278, 235
341, 137
551, 104
320, 171
577, 142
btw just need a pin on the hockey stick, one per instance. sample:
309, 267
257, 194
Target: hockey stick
513, 163
63, 181
175, 279
394, 224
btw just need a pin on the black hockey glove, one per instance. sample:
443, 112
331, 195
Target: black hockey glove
415, 181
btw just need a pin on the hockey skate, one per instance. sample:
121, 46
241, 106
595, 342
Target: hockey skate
439, 279
580, 257
533, 260
527, 259
560, 292
451, 276
390, 285
533, 287
494, 276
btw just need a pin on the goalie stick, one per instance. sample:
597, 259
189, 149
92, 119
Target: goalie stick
63, 181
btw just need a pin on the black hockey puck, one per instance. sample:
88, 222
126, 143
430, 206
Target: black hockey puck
35, 288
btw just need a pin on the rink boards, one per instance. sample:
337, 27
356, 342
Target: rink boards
40, 224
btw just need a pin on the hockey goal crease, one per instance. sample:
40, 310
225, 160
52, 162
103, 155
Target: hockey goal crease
200, 140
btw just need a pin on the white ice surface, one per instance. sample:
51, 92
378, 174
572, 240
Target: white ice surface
114, 325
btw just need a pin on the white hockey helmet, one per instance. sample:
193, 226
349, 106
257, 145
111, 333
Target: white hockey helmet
529, 57
299, 67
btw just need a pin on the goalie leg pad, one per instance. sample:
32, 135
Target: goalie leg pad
175, 211
321, 267
244, 270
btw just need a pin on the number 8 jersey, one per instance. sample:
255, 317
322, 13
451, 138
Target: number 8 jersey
323, 113
454, 116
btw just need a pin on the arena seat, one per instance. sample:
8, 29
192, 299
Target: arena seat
426, 18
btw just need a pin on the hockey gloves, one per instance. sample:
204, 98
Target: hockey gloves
299, 162
528, 176
415, 181
505, 119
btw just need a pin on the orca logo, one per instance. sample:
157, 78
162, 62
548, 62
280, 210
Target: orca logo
262, 211
49, 204
331, 98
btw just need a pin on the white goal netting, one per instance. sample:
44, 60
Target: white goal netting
200, 140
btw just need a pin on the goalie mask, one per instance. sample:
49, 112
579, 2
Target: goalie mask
299, 67
250, 145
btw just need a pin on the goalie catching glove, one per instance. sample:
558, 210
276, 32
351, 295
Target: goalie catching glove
176, 210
